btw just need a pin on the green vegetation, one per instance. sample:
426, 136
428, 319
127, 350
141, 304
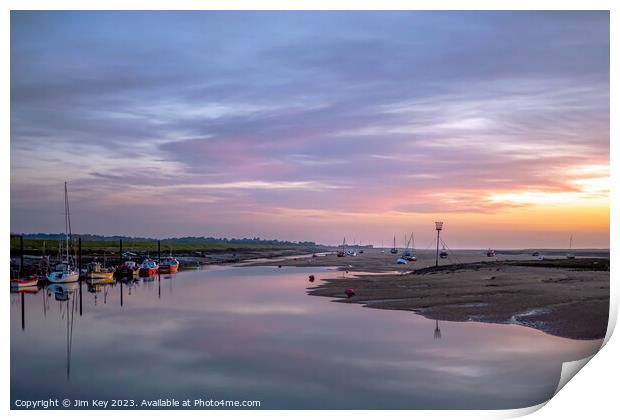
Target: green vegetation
590, 264
587, 264
36, 246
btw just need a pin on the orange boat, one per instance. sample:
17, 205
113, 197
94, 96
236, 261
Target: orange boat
169, 265
148, 268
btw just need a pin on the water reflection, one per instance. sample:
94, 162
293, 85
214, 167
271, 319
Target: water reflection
64, 293
254, 333
69, 314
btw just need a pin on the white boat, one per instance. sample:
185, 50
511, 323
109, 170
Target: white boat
401, 261
65, 272
443, 254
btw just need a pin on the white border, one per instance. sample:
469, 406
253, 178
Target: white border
593, 394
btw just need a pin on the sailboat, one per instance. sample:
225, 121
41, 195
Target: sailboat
341, 252
409, 254
65, 271
570, 255
394, 250
443, 254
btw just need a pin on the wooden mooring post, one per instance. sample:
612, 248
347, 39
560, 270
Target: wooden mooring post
23, 311
21, 255
80, 298
80, 256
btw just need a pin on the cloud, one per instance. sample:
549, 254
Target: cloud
334, 112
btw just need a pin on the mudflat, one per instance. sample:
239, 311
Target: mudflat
567, 298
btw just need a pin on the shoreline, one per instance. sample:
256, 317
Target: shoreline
565, 298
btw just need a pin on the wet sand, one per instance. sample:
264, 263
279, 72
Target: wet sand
567, 298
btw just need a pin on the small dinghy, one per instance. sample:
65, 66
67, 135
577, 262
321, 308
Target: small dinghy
27, 281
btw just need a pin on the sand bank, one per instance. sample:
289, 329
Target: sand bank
567, 298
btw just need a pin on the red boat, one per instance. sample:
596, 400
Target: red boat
29, 281
148, 268
169, 265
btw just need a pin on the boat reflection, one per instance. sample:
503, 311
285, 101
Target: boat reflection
22, 291
437, 333
68, 313
64, 293
25, 289
99, 288
61, 291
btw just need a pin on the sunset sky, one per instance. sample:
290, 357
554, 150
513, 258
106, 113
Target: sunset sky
314, 125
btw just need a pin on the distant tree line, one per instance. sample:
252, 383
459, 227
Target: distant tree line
184, 239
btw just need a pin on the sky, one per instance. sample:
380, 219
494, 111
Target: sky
314, 125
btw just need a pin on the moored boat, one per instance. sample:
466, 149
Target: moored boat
127, 271
148, 268
169, 265
341, 252
443, 254
394, 250
95, 271
26, 281
409, 254
63, 273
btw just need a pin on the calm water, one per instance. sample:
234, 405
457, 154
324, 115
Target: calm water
252, 333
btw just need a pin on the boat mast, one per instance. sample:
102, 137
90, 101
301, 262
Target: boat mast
66, 229
67, 224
